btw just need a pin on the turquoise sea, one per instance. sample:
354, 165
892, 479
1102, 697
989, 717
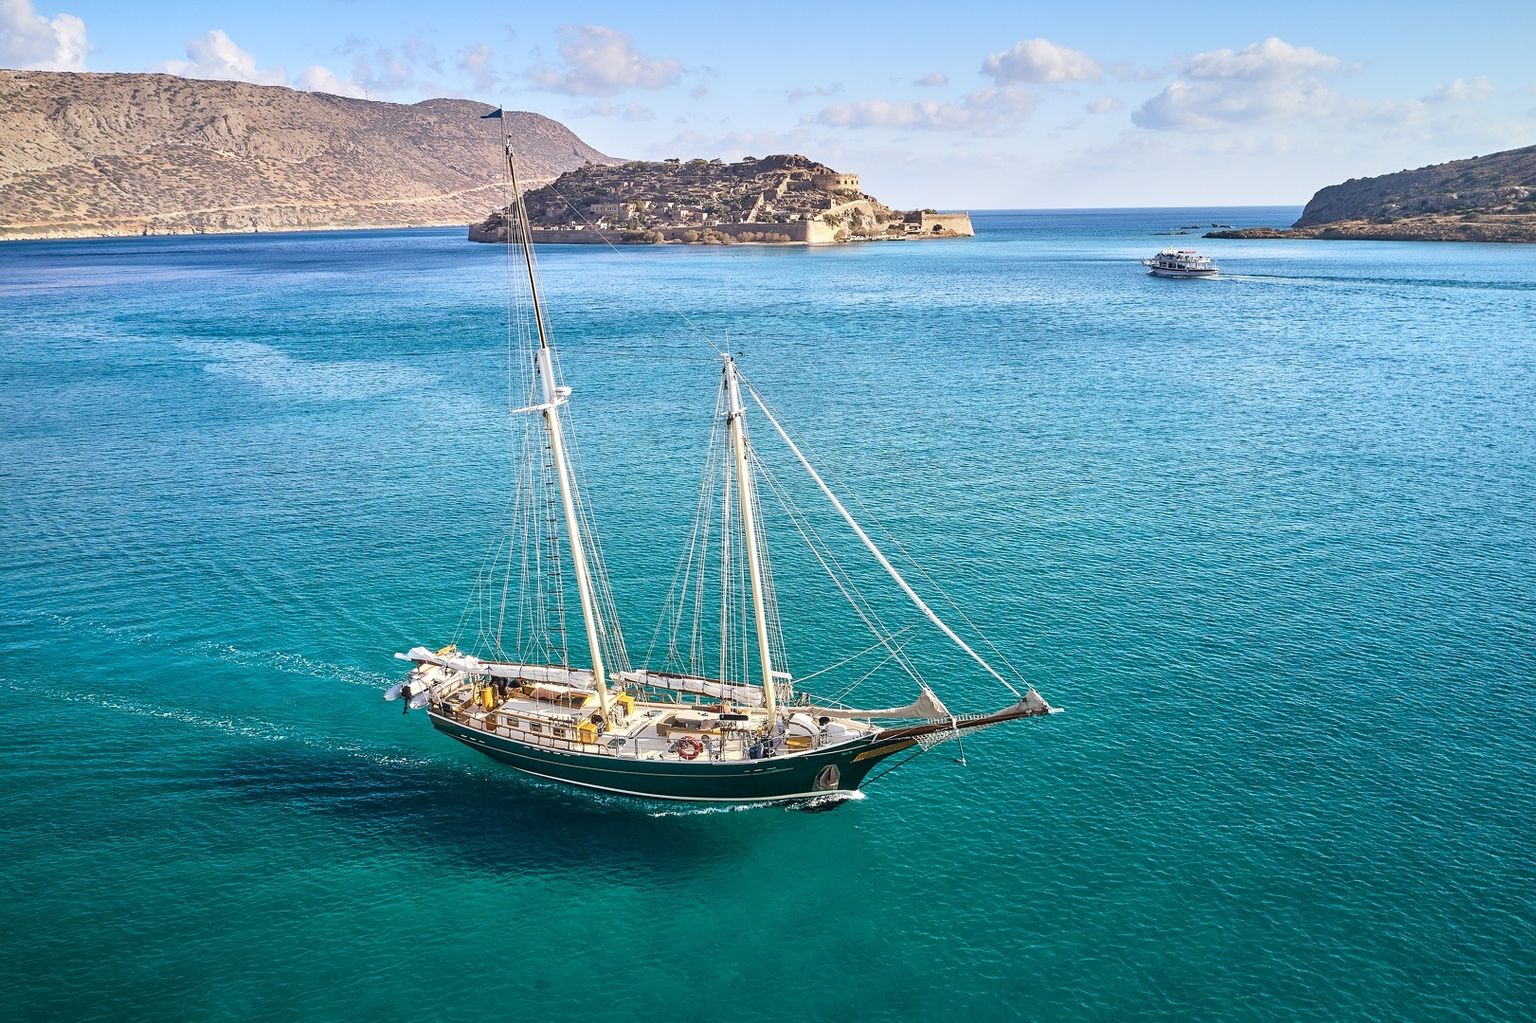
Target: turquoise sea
1270, 540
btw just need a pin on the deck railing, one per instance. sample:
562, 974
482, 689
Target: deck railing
715, 747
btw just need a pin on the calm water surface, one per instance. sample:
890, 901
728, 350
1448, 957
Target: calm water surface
1270, 539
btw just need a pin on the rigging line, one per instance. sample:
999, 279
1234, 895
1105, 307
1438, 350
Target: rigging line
529, 623
506, 587
474, 595
851, 657
870, 673
830, 561
928, 578
683, 579
877, 625
606, 611
884, 562
622, 255
703, 524
840, 577
713, 456
931, 581
777, 653
672, 605
900, 763
608, 618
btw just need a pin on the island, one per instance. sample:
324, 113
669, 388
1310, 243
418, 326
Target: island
1482, 199
785, 199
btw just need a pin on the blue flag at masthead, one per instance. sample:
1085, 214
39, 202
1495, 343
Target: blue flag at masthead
493, 115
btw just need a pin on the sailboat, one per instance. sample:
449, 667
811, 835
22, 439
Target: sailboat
720, 718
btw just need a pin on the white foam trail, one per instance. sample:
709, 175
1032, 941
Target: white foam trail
275, 370
288, 662
249, 728
817, 802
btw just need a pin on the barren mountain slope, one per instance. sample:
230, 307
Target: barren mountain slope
106, 154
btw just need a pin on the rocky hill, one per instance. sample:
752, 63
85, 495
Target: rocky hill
786, 198
1485, 198
115, 154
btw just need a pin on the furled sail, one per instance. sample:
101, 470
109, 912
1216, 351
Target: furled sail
927, 705
578, 677
747, 696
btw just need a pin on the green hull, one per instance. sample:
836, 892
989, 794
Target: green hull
800, 776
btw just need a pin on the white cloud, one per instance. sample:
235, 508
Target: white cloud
477, 62
383, 72
932, 81
603, 108
797, 94
1103, 105
1040, 60
601, 61
418, 52
735, 145
1260, 82
215, 55
1458, 91
386, 70
984, 110
31, 42
1273, 59
322, 79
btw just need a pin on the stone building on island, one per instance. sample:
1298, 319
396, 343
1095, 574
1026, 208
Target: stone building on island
836, 182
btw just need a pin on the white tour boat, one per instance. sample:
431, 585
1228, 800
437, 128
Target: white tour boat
1180, 263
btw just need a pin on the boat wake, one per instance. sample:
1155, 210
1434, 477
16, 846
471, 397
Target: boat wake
287, 662
250, 728
815, 804
274, 370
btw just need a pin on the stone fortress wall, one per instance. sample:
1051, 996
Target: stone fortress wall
953, 225
837, 182
804, 232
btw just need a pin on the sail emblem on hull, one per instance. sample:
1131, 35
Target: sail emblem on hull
715, 714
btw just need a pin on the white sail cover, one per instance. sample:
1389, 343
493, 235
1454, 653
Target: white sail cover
580, 678
747, 696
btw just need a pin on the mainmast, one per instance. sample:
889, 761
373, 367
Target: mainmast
554, 396
736, 416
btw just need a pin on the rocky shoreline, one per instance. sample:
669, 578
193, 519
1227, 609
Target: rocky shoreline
1482, 199
1513, 229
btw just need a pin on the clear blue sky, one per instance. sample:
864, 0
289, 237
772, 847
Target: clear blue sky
967, 105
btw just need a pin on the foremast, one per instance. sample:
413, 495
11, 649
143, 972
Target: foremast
554, 396
736, 415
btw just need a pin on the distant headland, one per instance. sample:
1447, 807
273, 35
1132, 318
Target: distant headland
1483, 199
785, 199
140, 154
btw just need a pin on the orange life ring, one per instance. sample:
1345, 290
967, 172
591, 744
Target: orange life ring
689, 748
